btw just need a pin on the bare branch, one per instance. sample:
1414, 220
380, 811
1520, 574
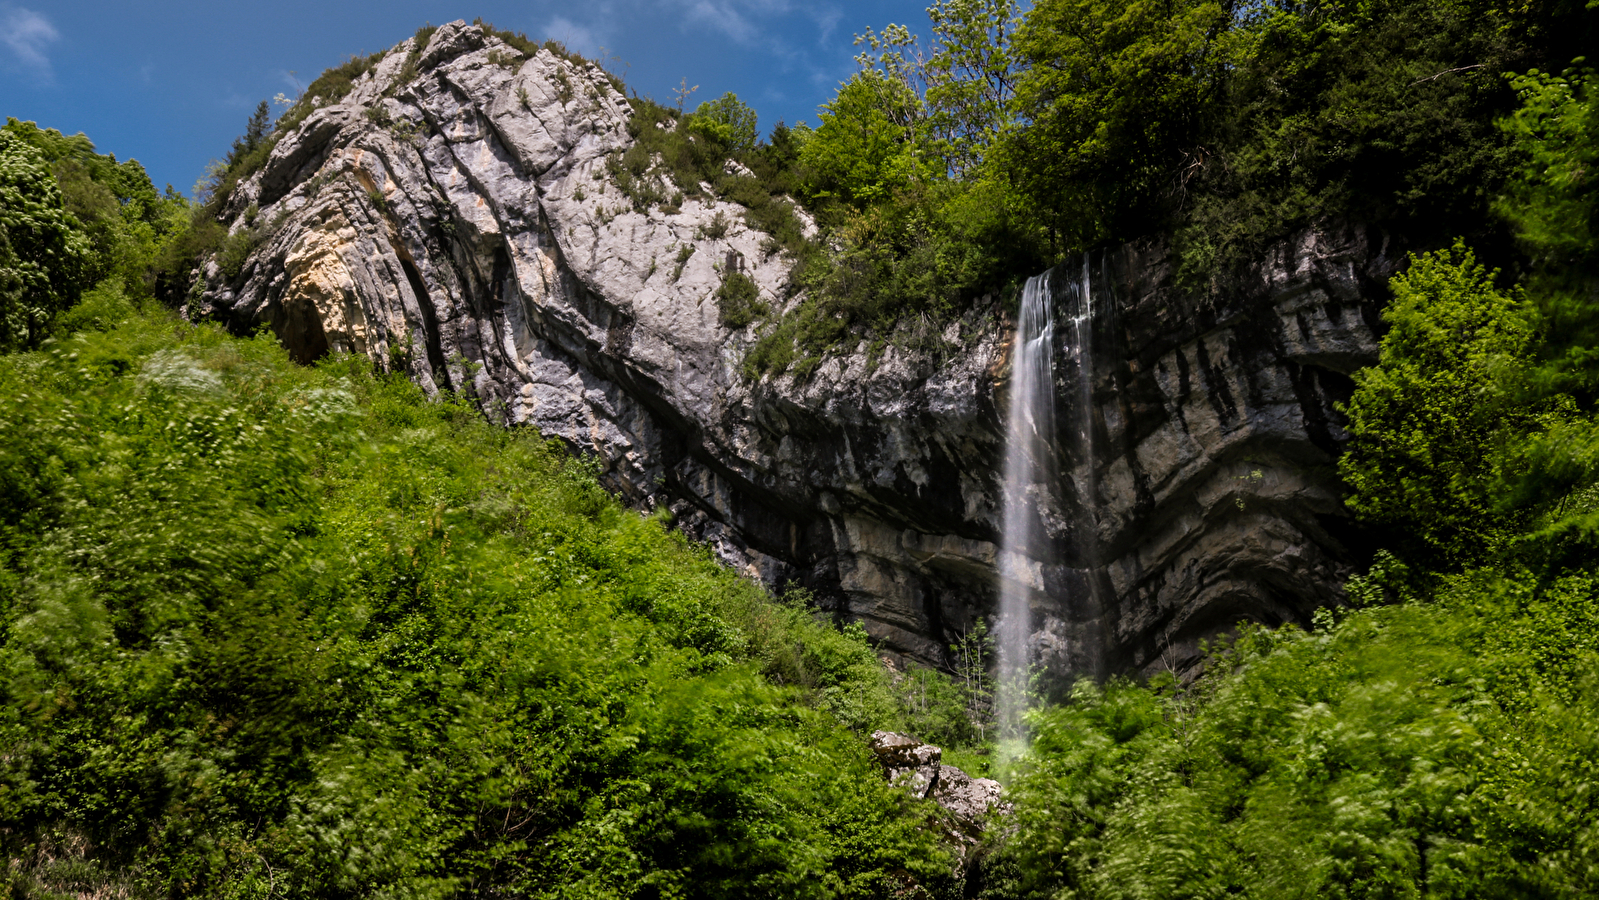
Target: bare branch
1447, 72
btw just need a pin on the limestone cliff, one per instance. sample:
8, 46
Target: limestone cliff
460, 225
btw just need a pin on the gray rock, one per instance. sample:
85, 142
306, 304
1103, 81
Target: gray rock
907, 761
966, 801
475, 242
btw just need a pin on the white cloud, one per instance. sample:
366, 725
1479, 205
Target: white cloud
577, 38
735, 18
26, 34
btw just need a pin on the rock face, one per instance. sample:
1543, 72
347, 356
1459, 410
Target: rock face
461, 226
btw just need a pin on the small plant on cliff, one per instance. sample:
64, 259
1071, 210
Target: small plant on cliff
683, 254
739, 300
716, 228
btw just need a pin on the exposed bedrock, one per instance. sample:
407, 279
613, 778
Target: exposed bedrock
462, 226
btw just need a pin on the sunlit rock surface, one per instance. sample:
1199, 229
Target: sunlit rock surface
461, 227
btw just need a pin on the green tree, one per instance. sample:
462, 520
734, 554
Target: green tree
45, 259
128, 223
1435, 424
866, 146
971, 75
1113, 93
728, 120
255, 135
1553, 203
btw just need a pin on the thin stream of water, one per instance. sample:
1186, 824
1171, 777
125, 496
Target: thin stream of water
1030, 478
1030, 424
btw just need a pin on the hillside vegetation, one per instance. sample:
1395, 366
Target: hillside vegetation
276, 629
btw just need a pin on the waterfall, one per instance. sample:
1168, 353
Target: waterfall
1030, 476
1030, 427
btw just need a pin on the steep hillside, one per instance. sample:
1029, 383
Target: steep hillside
269, 629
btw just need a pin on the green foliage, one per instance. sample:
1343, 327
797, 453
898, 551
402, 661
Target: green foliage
728, 121
1224, 126
738, 300
903, 268
865, 147
1555, 201
1436, 422
917, 229
102, 307
129, 226
1112, 93
45, 259
236, 248
971, 76
264, 625
1388, 755
1377, 113
1554, 205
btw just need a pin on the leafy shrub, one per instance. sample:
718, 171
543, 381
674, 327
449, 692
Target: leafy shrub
45, 258
716, 228
728, 121
1387, 752
738, 300
1435, 423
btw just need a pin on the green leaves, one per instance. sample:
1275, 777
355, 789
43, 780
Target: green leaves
866, 146
1112, 93
1437, 420
1381, 757
44, 257
727, 120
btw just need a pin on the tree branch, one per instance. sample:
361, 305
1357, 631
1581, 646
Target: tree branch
1446, 72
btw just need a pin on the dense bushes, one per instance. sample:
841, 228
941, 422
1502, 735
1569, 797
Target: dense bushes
44, 257
70, 218
265, 625
1438, 750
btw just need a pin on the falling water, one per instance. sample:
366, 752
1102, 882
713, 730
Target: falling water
1083, 409
1030, 477
1029, 427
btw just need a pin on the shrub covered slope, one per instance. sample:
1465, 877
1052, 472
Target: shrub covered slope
275, 628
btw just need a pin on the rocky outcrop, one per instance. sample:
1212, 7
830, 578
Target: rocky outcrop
461, 226
919, 768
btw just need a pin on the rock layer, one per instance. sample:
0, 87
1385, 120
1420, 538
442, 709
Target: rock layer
461, 226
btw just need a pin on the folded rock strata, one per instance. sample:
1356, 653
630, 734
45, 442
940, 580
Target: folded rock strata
461, 226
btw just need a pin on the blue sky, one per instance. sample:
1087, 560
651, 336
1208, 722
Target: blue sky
171, 84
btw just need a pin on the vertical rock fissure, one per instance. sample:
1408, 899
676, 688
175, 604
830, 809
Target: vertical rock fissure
430, 322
